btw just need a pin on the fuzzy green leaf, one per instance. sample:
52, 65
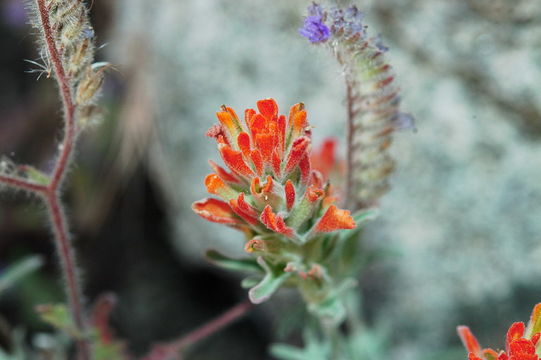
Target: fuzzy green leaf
36, 175
226, 262
20, 269
330, 310
365, 215
270, 283
250, 282
59, 317
108, 351
315, 349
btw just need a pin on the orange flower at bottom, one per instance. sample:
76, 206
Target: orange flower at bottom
520, 344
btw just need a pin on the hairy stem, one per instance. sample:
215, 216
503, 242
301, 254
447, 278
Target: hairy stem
69, 268
22, 184
172, 349
350, 100
65, 93
59, 52
52, 193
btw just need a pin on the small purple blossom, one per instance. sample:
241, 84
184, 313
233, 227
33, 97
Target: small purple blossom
353, 14
378, 42
348, 21
354, 19
336, 16
404, 121
314, 29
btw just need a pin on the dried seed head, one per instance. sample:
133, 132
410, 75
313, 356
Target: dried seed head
89, 86
79, 59
88, 115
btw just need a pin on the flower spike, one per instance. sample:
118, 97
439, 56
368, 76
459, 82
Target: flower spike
270, 190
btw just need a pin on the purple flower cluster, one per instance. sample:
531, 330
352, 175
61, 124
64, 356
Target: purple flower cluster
320, 24
378, 42
404, 121
314, 28
348, 21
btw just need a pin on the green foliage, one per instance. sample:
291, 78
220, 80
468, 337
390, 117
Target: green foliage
108, 351
246, 264
361, 345
18, 352
314, 349
17, 271
274, 277
59, 317
36, 175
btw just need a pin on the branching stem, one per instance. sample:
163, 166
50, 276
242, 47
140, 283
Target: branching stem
171, 350
69, 268
51, 194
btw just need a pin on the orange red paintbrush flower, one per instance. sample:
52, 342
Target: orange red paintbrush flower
521, 343
270, 186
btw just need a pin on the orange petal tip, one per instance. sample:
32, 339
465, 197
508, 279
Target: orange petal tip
268, 108
469, 340
335, 219
275, 222
215, 210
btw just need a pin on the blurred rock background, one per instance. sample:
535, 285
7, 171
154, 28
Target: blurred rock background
461, 225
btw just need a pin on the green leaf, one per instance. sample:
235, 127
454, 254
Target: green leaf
250, 282
365, 215
286, 352
20, 269
36, 175
59, 317
270, 283
108, 351
315, 349
369, 344
226, 262
330, 310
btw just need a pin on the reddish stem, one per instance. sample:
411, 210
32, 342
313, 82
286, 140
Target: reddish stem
69, 267
22, 184
65, 92
52, 192
171, 350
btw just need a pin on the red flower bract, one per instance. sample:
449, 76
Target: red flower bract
520, 344
271, 186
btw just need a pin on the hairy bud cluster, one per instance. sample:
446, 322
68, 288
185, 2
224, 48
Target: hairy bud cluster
73, 38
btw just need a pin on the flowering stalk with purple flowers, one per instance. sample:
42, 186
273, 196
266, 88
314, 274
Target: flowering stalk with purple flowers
373, 102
